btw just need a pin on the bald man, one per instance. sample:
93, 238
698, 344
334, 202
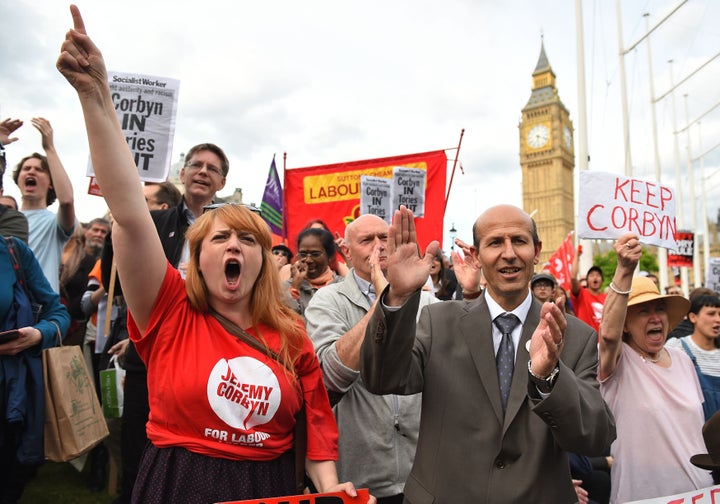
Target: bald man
378, 434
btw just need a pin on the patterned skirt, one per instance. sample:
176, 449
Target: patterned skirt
178, 475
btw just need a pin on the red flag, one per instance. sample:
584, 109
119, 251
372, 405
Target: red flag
560, 262
332, 193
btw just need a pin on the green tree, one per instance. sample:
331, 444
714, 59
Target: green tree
608, 263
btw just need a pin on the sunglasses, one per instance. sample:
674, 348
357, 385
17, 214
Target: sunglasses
213, 206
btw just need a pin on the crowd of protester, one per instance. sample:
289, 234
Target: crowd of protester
371, 364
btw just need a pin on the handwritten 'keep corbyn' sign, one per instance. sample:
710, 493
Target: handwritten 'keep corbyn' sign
611, 205
709, 495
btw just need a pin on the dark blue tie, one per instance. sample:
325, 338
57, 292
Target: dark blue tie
505, 358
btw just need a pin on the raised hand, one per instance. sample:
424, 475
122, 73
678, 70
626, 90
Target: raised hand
628, 250
377, 277
80, 61
7, 127
43, 126
466, 267
298, 273
407, 272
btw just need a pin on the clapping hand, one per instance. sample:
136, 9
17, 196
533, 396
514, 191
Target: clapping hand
548, 339
466, 267
376, 274
298, 273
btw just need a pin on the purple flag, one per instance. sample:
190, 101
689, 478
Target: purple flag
272, 201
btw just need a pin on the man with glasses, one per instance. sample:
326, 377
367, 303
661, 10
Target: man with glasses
204, 174
543, 286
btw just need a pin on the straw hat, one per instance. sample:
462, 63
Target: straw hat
711, 435
644, 290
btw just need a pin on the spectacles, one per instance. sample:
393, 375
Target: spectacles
542, 285
315, 254
198, 165
213, 206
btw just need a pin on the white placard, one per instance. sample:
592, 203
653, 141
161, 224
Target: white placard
376, 197
146, 107
712, 275
709, 495
409, 189
611, 205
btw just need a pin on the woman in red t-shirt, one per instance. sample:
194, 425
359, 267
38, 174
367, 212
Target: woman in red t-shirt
222, 412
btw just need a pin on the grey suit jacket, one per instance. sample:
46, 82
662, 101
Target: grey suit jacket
468, 452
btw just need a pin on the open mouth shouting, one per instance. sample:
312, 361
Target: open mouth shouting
232, 273
30, 182
656, 334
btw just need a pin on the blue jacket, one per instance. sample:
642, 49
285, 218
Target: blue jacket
22, 390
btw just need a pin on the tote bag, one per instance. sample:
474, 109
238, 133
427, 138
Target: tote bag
74, 420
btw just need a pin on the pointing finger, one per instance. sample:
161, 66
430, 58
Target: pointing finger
78, 22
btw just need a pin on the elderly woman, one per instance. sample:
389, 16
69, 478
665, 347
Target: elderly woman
652, 390
222, 408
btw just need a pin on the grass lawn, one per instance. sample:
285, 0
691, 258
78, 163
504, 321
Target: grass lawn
60, 483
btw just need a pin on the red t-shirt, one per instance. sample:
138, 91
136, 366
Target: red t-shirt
214, 395
588, 307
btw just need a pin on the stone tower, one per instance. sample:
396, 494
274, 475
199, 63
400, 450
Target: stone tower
547, 159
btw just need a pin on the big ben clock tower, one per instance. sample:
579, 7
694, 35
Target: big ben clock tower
547, 160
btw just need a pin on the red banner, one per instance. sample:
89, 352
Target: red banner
559, 263
326, 498
332, 193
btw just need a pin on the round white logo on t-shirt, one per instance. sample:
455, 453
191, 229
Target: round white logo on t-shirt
243, 392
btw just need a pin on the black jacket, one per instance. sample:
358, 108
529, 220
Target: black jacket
171, 225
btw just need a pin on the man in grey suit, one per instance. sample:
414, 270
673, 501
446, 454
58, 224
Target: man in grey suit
472, 448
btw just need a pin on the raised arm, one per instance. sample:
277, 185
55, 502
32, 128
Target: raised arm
628, 250
60, 180
407, 272
574, 282
138, 252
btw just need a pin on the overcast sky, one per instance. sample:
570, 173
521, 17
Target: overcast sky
330, 81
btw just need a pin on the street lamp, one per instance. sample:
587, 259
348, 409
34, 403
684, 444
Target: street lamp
453, 234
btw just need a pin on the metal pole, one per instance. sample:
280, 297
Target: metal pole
662, 251
623, 88
586, 260
693, 203
706, 227
680, 221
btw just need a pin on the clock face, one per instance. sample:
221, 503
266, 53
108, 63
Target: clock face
567, 135
538, 136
